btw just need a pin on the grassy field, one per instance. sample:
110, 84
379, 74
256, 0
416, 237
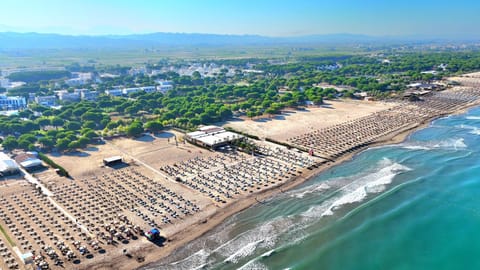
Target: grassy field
52, 57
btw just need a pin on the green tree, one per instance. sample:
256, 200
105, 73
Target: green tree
153, 126
73, 125
73, 145
92, 116
62, 144
57, 122
10, 143
134, 129
46, 142
89, 124
43, 121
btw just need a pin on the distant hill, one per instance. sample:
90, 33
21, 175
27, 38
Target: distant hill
14, 40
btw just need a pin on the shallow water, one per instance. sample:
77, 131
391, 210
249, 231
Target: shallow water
409, 206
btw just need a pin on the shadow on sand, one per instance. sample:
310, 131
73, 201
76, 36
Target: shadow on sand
118, 166
159, 241
145, 138
77, 154
164, 135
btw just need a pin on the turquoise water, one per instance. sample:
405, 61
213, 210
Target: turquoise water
415, 205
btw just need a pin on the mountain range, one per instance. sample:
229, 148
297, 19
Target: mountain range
16, 40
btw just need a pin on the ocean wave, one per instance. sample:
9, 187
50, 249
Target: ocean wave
291, 229
253, 265
374, 182
473, 130
451, 144
473, 117
244, 251
416, 147
300, 193
197, 260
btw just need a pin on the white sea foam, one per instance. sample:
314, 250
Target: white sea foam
268, 253
195, 261
416, 147
263, 236
451, 143
244, 251
356, 196
253, 265
371, 183
475, 131
300, 193
473, 117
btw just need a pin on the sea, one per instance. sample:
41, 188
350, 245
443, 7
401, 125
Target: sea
413, 205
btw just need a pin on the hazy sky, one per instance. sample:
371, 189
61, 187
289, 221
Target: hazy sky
446, 18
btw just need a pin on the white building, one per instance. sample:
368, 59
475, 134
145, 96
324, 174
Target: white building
64, 95
114, 92
212, 136
80, 78
88, 95
8, 166
12, 103
164, 86
148, 89
46, 100
128, 91
137, 71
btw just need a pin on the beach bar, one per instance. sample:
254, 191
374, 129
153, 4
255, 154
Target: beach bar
111, 161
212, 137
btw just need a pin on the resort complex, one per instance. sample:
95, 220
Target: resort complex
127, 202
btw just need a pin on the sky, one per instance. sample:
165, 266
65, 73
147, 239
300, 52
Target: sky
432, 18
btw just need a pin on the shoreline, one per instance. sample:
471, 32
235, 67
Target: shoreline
153, 254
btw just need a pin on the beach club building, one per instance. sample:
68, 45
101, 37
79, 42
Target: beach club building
8, 166
212, 137
29, 161
112, 161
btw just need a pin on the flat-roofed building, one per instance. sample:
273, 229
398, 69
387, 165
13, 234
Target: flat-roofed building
66, 96
8, 166
46, 100
110, 161
12, 103
164, 86
212, 137
29, 161
89, 95
114, 92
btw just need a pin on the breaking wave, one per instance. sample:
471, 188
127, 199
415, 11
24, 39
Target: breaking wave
375, 182
300, 193
262, 241
473, 130
449, 144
